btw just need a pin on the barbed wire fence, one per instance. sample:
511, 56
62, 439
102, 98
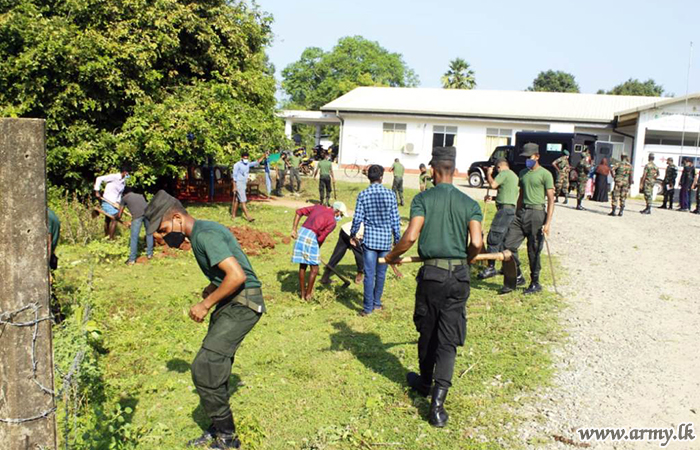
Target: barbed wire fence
69, 390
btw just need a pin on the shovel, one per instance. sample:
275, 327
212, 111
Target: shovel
510, 269
346, 282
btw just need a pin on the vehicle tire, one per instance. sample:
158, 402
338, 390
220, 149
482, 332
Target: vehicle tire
476, 180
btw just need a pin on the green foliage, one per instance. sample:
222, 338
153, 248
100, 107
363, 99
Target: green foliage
127, 80
319, 77
633, 86
554, 81
459, 75
78, 226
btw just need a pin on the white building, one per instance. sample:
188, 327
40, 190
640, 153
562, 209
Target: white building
380, 124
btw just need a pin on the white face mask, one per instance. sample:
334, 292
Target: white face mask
245, 160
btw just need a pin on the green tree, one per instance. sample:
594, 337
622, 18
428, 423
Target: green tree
130, 80
633, 86
319, 77
459, 75
554, 81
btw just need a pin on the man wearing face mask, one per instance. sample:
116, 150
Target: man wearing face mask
321, 221
112, 197
241, 170
235, 293
532, 218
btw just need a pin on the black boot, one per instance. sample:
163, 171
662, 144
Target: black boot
534, 286
416, 383
644, 211
437, 416
579, 203
622, 208
206, 437
566, 198
226, 437
613, 211
488, 272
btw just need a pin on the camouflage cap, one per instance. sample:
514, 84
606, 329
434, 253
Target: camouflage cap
530, 149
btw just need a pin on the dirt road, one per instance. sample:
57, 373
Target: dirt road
633, 319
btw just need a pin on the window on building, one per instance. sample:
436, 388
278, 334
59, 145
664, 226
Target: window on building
496, 137
444, 136
394, 136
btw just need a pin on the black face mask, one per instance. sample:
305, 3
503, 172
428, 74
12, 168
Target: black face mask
174, 239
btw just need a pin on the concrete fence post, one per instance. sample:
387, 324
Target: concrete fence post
27, 419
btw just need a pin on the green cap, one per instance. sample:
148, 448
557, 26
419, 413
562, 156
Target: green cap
444, 154
161, 203
566, 152
530, 149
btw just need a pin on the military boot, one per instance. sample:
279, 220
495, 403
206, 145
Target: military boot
437, 416
622, 208
566, 198
534, 286
226, 437
579, 203
488, 272
644, 211
206, 437
416, 383
613, 211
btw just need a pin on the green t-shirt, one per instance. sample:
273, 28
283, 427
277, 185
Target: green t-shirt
54, 229
294, 161
534, 184
508, 189
280, 164
398, 170
325, 167
213, 243
447, 212
427, 180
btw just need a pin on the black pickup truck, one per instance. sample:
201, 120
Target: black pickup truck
552, 146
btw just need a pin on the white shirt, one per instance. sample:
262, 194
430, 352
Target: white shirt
114, 186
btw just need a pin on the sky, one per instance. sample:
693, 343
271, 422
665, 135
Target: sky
507, 43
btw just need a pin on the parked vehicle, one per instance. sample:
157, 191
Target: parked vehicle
552, 146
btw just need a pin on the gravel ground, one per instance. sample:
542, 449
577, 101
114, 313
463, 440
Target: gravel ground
631, 357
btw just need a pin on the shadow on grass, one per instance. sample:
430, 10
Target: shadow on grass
369, 349
200, 416
178, 365
289, 281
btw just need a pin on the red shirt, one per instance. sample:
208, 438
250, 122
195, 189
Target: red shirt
321, 220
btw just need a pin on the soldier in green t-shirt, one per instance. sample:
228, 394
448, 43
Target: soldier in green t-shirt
235, 292
397, 185
281, 166
532, 219
447, 225
294, 177
425, 179
506, 183
325, 169
54, 235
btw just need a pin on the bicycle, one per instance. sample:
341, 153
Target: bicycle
355, 170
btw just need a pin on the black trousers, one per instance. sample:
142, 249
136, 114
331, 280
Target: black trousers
324, 189
440, 317
496, 238
341, 248
528, 224
668, 196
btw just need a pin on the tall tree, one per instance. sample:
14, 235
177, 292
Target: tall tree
131, 80
633, 86
554, 81
459, 75
319, 77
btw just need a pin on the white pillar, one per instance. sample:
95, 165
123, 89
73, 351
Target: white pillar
288, 128
638, 156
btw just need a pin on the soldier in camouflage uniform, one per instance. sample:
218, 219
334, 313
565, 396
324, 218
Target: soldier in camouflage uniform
582, 169
669, 184
622, 173
651, 173
562, 166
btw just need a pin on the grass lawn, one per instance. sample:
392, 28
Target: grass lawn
309, 375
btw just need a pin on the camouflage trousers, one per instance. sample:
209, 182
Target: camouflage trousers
619, 195
648, 193
581, 187
562, 184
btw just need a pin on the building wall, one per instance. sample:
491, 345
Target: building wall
362, 140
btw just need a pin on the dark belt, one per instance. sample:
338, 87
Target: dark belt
501, 206
243, 298
534, 207
446, 264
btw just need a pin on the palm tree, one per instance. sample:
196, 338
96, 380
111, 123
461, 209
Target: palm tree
458, 76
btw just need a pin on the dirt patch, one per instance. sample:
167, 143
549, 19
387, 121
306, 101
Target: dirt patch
283, 237
253, 241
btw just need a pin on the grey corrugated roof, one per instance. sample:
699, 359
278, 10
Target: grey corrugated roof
488, 104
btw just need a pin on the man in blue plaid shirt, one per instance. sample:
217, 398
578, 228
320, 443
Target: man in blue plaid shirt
377, 209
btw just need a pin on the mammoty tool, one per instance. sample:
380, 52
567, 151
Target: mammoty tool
335, 191
346, 282
510, 269
551, 265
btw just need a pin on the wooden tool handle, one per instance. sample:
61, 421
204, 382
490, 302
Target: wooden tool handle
501, 256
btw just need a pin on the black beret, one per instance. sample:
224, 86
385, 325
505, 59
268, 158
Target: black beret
444, 154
